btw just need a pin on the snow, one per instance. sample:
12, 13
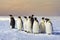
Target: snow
6, 33
14, 34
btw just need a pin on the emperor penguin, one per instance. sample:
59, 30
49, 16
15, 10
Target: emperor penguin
32, 20
48, 26
35, 26
12, 22
19, 23
42, 25
25, 24
29, 24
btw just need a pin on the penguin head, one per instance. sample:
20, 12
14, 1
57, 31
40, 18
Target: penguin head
32, 15
11, 16
25, 17
43, 18
47, 19
19, 16
29, 17
35, 19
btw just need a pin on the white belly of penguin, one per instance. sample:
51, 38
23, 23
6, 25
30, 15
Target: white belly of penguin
25, 25
42, 27
48, 28
35, 27
19, 24
29, 26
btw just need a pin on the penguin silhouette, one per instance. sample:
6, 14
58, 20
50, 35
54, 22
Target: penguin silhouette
12, 21
25, 23
19, 23
48, 26
32, 21
35, 26
29, 24
42, 25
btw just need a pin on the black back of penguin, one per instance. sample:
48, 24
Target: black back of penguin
32, 19
12, 21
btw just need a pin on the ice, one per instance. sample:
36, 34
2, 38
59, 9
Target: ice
6, 33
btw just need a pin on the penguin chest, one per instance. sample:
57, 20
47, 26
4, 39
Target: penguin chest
29, 23
19, 24
48, 28
35, 27
42, 26
25, 24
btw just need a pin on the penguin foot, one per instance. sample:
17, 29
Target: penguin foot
49, 33
36, 33
25, 31
42, 32
28, 32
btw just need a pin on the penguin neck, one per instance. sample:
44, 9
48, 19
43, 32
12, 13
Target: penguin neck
25, 19
29, 19
36, 20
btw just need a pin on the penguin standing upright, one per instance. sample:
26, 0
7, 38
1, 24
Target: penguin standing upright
32, 21
12, 21
29, 24
48, 26
42, 25
25, 23
36, 26
19, 23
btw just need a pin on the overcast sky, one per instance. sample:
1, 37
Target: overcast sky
28, 7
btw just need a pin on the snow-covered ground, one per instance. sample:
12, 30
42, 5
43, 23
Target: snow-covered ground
6, 33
